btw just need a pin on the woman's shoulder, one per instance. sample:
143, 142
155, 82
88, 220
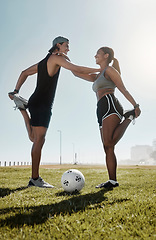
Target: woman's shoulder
108, 72
109, 69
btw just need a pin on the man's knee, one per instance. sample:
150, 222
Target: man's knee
40, 139
109, 146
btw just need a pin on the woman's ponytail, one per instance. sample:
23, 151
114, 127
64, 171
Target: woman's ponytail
116, 65
111, 57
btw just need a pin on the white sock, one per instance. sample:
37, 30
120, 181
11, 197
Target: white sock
130, 117
113, 182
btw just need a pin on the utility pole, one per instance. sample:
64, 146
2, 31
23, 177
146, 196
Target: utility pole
60, 132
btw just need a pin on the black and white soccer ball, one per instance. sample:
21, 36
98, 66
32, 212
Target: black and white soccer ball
72, 180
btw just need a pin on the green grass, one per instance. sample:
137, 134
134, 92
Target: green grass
127, 212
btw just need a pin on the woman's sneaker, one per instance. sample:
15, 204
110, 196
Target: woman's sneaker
108, 185
20, 102
39, 183
130, 115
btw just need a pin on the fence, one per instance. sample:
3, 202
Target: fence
5, 163
9, 164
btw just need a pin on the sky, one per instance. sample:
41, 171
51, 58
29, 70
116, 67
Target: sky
27, 30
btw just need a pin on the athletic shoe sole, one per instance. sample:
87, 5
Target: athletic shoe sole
39, 183
107, 185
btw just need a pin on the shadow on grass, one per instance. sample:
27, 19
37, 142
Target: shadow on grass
7, 191
39, 214
75, 193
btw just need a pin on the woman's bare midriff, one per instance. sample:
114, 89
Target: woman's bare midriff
102, 92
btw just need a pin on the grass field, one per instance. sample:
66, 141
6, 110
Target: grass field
127, 212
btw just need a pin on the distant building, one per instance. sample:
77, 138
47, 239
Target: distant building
141, 153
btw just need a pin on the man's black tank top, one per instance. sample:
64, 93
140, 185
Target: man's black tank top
46, 86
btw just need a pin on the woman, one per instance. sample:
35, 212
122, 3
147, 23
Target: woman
109, 110
40, 102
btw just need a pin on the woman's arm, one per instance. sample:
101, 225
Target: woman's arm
22, 78
115, 77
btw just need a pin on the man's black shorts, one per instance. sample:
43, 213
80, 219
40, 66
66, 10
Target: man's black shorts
40, 116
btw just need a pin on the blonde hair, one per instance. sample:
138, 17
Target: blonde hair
111, 57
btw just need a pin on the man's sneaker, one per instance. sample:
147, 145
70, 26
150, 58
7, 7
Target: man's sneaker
39, 183
20, 102
107, 185
129, 113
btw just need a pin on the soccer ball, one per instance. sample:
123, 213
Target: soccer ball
72, 180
